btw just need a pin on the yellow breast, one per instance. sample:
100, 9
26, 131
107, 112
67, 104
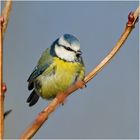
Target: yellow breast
64, 75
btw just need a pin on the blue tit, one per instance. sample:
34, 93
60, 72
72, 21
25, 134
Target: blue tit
59, 67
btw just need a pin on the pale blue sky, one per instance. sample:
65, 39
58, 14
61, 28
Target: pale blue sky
108, 107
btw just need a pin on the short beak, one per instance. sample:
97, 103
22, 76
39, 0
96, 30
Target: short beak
78, 53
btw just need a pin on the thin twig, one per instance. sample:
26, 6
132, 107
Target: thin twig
6, 14
43, 116
6, 113
4, 18
1, 81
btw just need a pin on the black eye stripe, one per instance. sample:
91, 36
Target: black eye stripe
67, 48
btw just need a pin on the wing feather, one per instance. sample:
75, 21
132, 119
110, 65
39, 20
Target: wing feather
44, 62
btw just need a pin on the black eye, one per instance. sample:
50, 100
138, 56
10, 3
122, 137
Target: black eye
69, 49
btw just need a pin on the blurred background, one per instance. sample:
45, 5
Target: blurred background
108, 107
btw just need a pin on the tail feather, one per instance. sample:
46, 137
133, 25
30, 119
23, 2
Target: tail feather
30, 86
33, 98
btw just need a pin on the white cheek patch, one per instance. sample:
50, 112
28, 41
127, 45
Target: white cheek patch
64, 54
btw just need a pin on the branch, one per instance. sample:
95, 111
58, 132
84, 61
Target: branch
1, 92
3, 25
43, 116
6, 14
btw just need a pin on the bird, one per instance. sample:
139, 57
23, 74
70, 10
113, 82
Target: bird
58, 68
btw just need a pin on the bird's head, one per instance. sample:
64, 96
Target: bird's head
67, 47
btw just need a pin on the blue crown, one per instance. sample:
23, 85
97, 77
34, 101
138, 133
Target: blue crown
71, 39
